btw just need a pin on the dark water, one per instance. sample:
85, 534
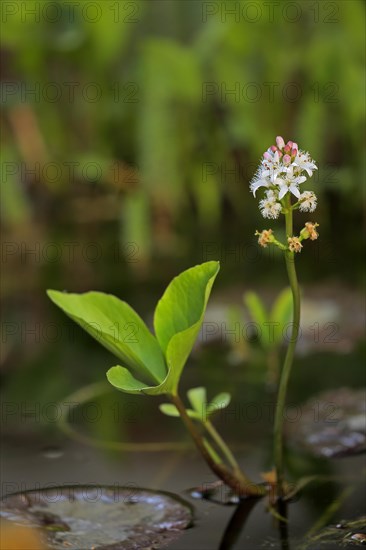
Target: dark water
37, 455
329, 502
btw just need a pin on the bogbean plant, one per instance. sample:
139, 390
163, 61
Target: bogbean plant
153, 364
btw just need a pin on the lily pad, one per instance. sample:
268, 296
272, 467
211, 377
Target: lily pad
102, 518
332, 424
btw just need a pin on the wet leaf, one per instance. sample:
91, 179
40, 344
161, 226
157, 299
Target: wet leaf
78, 516
332, 424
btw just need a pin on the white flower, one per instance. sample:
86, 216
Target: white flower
272, 166
289, 182
304, 162
259, 180
283, 168
272, 195
307, 201
269, 206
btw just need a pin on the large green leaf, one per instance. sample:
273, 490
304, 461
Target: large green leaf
116, 326
178, 319
179, 316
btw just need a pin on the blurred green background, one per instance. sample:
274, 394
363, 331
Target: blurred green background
130, 132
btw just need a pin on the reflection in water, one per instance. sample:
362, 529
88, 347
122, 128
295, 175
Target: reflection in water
238, 520
236, 523
283, 524
52, 452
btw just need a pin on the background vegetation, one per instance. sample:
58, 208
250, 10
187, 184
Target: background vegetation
131, 130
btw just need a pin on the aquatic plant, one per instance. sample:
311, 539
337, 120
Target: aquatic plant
153, 364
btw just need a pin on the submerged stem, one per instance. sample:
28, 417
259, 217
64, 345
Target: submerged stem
286, 370
237, 481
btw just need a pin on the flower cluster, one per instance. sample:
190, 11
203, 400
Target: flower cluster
282, 170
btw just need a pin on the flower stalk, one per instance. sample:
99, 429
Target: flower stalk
283, 169
287, 366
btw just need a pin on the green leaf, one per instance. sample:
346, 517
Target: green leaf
281, 313
116, 326
198, 400
179, 316
258, 314
219, 402
123, 380
171, 410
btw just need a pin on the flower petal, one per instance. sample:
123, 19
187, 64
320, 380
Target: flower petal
283, 191
294, 190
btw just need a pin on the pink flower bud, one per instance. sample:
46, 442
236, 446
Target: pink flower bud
290, 144
267, 156
295, 146
287, 159
280, 154
293, 152
280, 142
287, 148
273, 148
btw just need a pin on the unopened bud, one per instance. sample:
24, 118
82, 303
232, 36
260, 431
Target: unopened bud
280, 142
293, 152
273, 148
287, 149
287, 159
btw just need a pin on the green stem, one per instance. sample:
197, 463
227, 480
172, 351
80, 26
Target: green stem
286, 370
223, 447
238, 483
